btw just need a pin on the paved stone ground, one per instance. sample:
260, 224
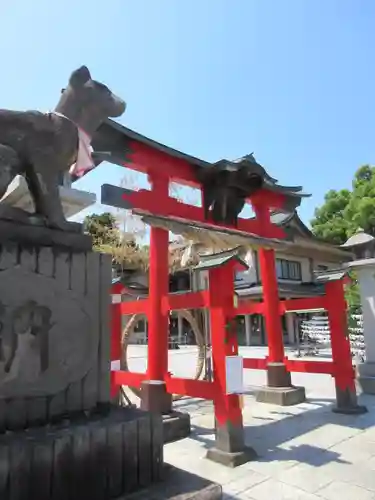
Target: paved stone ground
306, 452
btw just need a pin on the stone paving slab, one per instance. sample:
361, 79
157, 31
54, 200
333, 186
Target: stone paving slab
305, 452
179, 485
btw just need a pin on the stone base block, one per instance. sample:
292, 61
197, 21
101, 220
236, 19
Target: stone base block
28, 232
155, 398
283, 396
353, 410
346, 402
176, 425
231, 459
366, 379
98, 457
367, 384
179, 485
278, 375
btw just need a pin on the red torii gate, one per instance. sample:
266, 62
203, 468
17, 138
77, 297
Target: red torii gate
246, 179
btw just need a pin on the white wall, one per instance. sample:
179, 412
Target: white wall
305, 267
249, 275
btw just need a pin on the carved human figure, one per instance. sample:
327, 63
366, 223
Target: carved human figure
24, 347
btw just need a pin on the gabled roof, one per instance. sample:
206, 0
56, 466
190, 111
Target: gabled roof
330, 275
285, 290
212, 260
291, 223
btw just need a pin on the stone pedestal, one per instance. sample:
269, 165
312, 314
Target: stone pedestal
279, 389
365, 270
347, 402
97, 457
60, 437
230, 449
155, 398
54, 340
366, 376
176, 426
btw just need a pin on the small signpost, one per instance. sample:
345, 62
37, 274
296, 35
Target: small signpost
234, 375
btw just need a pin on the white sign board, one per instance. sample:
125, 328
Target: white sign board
234, 375
116, 365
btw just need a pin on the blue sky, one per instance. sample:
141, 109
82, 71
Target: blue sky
291, 80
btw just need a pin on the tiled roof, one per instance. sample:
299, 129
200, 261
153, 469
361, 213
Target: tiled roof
212, 260
359, 238
285, 290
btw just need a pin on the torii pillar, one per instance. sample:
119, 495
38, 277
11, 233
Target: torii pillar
279, 389
230, 448
154, 394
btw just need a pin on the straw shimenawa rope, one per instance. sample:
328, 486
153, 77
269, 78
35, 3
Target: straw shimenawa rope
187, 315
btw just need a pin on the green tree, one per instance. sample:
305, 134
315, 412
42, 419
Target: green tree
329, 223
360, 211
344, 211
108, 238
103, 229
352, 295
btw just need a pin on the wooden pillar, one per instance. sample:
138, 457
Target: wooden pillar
290, 325
180, 328
154, 396
277, 373
116, 328
230, 446
248, 329
346, 396
279, 388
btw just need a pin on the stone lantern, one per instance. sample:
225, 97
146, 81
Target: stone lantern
363, 247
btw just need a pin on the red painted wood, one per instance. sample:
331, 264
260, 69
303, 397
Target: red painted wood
131, 379
269, 198
271, 305
171, 302
157, 359
296, 365
148, 160
187, 300
246, 306
341, 354
148, 202
255, 363
134, 307
189, 387
262, 212
224, 341
302, 304
292, 365
115, 331
115, 340
117, 288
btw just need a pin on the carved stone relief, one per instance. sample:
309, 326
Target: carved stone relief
45, 335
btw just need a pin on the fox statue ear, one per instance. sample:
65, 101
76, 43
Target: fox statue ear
79, 77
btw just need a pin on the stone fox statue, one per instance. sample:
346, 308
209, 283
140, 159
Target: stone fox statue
43, 146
